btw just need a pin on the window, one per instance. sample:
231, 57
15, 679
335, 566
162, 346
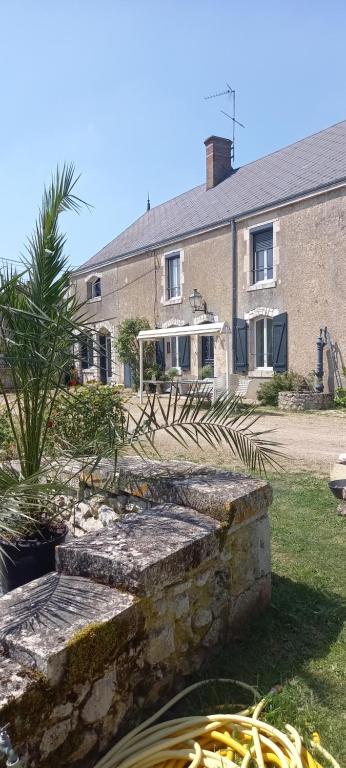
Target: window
86, 352
181, 352
94, 288
173, 276
264, 342
262, 255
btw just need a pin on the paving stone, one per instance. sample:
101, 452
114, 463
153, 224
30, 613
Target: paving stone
39, 619
145, 552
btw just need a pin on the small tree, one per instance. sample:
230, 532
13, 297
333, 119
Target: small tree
127, 345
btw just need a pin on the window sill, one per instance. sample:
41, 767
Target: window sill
92, 301
262, 284
169, 302
261, 373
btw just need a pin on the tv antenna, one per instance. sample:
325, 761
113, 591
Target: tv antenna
231, 93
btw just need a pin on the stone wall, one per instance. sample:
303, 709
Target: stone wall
304, 401
132, 609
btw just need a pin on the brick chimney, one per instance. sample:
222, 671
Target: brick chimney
218, 160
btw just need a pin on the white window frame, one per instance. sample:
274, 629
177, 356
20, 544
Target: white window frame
164, 281
248, 263
91, 280
264, 367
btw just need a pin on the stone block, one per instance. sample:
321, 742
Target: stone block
101, 698
145, 552
249, 549
40, 619
160, 646
14, 681
54, 737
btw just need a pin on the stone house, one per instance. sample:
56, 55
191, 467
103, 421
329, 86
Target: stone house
245, 268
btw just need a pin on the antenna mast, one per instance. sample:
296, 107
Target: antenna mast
231, 93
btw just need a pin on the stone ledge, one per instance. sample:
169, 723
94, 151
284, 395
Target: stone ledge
39, 619
143, 552
220, 494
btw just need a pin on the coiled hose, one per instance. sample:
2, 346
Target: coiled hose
239, 740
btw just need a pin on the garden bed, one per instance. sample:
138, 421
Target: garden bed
304, 401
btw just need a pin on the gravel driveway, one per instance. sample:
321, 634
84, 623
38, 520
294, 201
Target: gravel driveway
311, 441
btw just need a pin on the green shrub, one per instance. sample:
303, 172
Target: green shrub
281, 382
207, 372
172, 373
84, 419
340, 397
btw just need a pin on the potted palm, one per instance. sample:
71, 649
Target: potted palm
39, 322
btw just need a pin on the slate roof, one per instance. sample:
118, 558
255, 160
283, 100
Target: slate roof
310, 164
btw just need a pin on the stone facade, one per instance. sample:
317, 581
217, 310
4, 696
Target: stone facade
308, 284
309, 274
304, 401
132, 610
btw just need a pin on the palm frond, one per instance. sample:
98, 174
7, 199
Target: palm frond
224, 423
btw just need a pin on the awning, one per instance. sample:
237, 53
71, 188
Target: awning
204, 329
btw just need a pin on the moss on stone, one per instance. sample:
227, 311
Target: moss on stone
90, 650
22, 715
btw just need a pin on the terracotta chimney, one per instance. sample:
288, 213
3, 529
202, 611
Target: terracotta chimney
218, 160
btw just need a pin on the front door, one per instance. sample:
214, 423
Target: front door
208, 351
128, 376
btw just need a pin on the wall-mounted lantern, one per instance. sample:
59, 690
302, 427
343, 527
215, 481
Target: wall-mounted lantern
197, 303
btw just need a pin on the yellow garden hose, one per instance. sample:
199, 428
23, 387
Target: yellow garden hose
214, 741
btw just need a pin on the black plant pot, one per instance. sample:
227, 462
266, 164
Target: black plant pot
27, 559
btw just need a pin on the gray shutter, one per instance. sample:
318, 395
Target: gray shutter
109, 355
89, 286
263, 240
240, 345
184, 352
280, 343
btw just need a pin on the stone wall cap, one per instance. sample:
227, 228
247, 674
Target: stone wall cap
39, 619
143, 552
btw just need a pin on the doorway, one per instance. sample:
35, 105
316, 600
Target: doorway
208, 352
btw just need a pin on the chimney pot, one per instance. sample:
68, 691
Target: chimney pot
218, 160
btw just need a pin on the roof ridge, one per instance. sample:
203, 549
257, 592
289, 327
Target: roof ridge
287, 146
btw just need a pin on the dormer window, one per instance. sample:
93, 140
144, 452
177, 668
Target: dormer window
94, 287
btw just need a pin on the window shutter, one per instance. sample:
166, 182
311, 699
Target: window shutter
280, 343
240, 345
263, 240
109, 355
184, 352
90, 351
89, 290
160, 354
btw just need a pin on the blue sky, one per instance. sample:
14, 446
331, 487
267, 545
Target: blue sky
118, 86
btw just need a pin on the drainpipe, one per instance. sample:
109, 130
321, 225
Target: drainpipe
234, 303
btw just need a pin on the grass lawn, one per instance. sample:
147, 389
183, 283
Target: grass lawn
300, 642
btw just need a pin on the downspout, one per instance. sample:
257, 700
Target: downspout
234, 301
